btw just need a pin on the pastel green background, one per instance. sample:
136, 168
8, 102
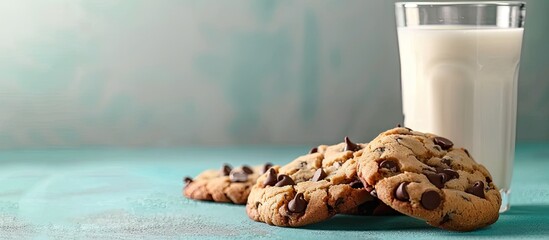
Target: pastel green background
181, 72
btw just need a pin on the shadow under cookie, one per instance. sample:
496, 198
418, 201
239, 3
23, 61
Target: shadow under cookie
371, 223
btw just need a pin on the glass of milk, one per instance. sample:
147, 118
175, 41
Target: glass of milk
459, 69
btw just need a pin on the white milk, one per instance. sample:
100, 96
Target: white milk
461, 83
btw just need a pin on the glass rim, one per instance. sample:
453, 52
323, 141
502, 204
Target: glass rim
460, 3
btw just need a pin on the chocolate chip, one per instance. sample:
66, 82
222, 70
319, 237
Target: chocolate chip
447, 161
226, 170
398, 126
298, 204
187, 180
238, 176
451, 174
302, 164
467, 152
266, 167
356, 184
401, 193
373, 193
444, 143
247, 169
442, 176
350, 146
284, 180
430, 200
437, 179
488, 180
313, 150
445, 219
319, 175
270, 180
477, 189
389, 164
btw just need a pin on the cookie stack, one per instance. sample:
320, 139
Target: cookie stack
401, 171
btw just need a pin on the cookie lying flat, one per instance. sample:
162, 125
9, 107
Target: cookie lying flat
225, 185
310, 189
424, 176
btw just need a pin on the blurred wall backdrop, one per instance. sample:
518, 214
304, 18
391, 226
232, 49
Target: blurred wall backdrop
182, 72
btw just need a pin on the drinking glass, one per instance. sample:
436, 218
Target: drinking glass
459, 71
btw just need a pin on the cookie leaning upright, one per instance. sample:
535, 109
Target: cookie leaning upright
225, 185
426, 177
310, 189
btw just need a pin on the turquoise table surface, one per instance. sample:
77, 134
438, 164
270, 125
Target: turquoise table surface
136, 194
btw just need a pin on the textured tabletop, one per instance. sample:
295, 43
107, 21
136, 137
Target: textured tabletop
129, 194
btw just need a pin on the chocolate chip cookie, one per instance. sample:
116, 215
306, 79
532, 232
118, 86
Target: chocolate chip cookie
310, 189
224, 185
426, 177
